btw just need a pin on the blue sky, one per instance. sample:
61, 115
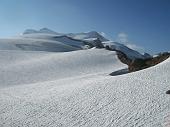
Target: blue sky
145, 23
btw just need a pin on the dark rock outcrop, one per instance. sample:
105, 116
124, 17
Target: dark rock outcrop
139, 64
146, 55
168, 92
158, 59
123, 58
98, 43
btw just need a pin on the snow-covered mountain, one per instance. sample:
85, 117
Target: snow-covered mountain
43, 84
132, 54
87, 36
48, 40
43, 30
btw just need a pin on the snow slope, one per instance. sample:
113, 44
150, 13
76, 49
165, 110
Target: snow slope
85, 95
43, 84
45, 42
20, 67
32, 44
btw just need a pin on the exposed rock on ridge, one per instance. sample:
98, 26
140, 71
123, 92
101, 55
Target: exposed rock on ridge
139, 64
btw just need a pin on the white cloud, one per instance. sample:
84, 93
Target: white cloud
123, 38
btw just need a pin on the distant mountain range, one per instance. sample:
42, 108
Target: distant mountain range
50, 41
80, 41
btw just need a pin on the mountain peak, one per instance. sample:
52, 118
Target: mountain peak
29, 31
42, 30
93, 32
46, 30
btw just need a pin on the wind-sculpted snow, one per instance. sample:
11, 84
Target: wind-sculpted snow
43, 84
18, 67
82, 98
45, 42
32, 44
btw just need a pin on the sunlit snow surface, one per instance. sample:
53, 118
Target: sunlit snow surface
80, 93
74, 89
20, 67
